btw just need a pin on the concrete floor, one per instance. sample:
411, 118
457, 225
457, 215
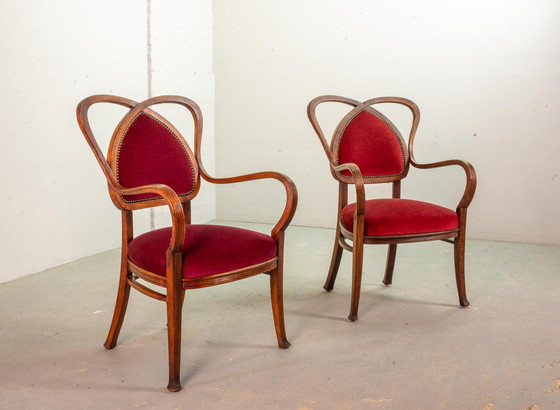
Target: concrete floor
412, 347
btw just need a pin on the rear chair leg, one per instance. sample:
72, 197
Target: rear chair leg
390, 266
124, 287
120, 309
335, 263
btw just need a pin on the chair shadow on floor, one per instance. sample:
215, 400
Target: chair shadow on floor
373, 298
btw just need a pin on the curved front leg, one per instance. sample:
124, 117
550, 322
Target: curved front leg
357, 263
277, 296
459, 248
357, 235
277, 299
120, 308
175, 297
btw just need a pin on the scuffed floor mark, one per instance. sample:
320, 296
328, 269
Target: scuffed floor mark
555, 386
532, 407
377, 400
489, 406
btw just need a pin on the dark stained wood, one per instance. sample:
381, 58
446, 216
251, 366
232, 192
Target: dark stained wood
357, 262
174, 284
226, 277
276, 295
124, 286
133, 281
459, 254
357, 236
388, 239
390, 265
337, 249
174, 268
187, 211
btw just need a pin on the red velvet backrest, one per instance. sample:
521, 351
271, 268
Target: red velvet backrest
151, 151
368, 139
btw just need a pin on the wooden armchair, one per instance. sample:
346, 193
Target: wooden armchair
150, 164
367, 148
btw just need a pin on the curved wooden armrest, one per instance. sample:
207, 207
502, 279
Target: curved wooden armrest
470, 186
178, 227
358, 183
291, 194
311, 114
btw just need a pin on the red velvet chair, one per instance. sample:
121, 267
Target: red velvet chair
150, 164
367, 148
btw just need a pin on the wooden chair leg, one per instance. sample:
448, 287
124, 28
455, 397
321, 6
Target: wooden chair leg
459, 248
276, 296
335, 263
183, 293
120, 309
357, 262
174, 315
390, 266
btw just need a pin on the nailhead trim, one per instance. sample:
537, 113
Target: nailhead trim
178, 140
394, 134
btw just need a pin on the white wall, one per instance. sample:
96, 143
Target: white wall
484, 68
484, 73
55, 207
182, 63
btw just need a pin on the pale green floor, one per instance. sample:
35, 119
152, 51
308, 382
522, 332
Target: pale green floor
412, 347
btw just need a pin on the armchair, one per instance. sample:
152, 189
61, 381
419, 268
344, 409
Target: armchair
150, 164
367, 148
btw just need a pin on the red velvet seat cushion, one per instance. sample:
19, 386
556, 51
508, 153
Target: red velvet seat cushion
208, 249
401, 216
